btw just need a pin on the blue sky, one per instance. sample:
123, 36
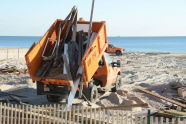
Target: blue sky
123, 17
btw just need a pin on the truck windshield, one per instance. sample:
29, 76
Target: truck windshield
111, 46
108, 58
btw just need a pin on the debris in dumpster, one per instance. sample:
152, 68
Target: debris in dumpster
70, 43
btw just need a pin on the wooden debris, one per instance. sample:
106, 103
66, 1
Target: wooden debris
163, 114
126, 106
180, 99
162, 97
11, 69
68, 72
175, 112
182, 92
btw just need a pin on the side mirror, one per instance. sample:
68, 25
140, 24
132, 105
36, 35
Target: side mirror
116, 64
119, 63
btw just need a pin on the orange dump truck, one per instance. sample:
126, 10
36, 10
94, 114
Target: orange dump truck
97, 70
117, 50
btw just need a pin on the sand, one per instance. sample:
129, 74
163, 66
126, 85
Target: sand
155, 71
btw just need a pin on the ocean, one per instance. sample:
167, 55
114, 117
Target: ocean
141, 44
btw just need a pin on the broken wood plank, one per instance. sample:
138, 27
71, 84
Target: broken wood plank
126, 106
162, 97
163, 114
68, 71
175, 112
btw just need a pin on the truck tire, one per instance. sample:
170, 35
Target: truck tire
118, 53
93, 93
54, 98
117, 85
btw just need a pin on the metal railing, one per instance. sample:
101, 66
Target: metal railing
55, 114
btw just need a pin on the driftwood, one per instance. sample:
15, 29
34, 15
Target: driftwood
175, 112
11, 69
162, 97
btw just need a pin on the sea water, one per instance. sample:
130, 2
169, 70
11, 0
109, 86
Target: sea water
142, 44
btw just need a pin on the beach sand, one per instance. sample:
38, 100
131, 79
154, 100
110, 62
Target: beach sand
155, 71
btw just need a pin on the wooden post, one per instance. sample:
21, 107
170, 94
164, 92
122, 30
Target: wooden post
18, 53
156, 120
99, 115
184, 120
127, 118
30, 119
8, 113
94, 115
122, 117
16, 117
117, 117
34, 116
7, 53
1, 113
39, 111
50, 113
73, 113
11, 114
58, 113
173, 121
136, 120
178, 120
78, 109
62, 114
86, 115
104, 115
112, 112
161, 120
148, 117
26, 119
91, 116
82, 118
54, 113
167, 120
22, 115
19, 114
131, 118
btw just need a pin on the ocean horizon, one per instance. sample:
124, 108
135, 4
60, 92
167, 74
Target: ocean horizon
136, 44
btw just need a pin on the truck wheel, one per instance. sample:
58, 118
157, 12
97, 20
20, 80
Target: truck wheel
118, 53
93, 93
117, 85
53, 98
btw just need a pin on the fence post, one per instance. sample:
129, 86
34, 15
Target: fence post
161, 120
11, 113
18, 53
4, 113
15, 116
178, 121
82, 115
78, 109
19, 114
8, 113
148, 117
1, 113
7, 53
